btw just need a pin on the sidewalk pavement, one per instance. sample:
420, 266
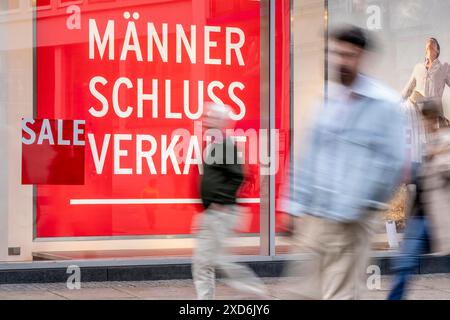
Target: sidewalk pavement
423, 287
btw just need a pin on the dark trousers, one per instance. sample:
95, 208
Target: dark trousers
416, 242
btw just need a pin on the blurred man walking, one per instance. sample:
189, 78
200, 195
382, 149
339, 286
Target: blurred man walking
352, 165
221, 180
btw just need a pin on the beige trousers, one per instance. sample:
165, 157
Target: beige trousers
214, 227
335, 258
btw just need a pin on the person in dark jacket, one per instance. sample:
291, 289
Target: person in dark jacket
221, 180
222, 177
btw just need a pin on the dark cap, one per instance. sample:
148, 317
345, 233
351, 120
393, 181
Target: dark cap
354, 35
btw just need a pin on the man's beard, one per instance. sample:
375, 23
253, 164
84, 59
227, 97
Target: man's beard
346, 76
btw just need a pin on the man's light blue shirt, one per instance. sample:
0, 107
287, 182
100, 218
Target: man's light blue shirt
355, 154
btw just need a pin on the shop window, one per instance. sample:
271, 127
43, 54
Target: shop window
9, 5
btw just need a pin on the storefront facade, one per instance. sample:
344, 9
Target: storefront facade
110, 140
101, 138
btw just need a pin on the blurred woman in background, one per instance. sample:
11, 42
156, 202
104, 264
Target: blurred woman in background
428, 227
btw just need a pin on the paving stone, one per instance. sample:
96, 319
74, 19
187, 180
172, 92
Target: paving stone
160, 293
92, 294
434, 286
428, 295
432, 281
29, 295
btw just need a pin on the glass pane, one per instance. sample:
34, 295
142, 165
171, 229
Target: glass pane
402, 29
300, 38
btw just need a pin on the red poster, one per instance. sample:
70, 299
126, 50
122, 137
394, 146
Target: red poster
283, 89
137, 72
